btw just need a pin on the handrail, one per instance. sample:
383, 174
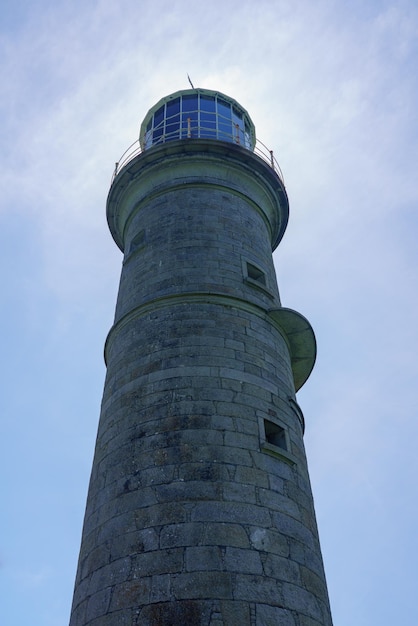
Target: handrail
137, 147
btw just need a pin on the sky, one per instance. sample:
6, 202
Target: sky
332, 88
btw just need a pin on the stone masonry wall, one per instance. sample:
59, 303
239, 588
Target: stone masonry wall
196, 513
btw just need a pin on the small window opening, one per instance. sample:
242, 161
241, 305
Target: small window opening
274, 440
275, 434
256, 274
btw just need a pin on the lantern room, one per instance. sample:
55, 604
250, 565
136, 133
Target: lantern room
197, 114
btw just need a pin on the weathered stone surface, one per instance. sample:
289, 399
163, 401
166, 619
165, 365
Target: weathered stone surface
165, 613
203, 584
98, 603
210, 556
267, 540
257, 588
189, 520
273, 616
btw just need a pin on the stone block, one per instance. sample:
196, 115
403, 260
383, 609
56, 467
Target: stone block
203, 558
267, 540
243, 561
130, 594
157, 562
231, 512
241, 440
186, 534
253, 588
223, 534
98, 604
251, 476
273, 616
160, 588
197, 585
121, 618
279, 502
142, 540
283, 569
160, 514
175, 613
292, 528
186, 491
298, 599
313, 583
237, 492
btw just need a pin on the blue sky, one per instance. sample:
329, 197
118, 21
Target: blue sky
332, 87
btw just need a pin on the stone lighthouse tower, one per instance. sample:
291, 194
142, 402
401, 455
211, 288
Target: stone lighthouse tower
199, 509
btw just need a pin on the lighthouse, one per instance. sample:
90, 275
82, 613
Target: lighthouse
199, 510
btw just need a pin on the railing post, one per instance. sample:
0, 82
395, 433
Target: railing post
271, 159
237, 133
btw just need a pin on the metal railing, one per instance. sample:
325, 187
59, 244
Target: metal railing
139, 146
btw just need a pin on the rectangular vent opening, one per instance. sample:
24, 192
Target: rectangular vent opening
256, 274
275, 435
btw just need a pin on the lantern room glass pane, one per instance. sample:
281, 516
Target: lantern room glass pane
207, 103
224, 120
172, 123
207, 117
224, 109
158, 125
190, 116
